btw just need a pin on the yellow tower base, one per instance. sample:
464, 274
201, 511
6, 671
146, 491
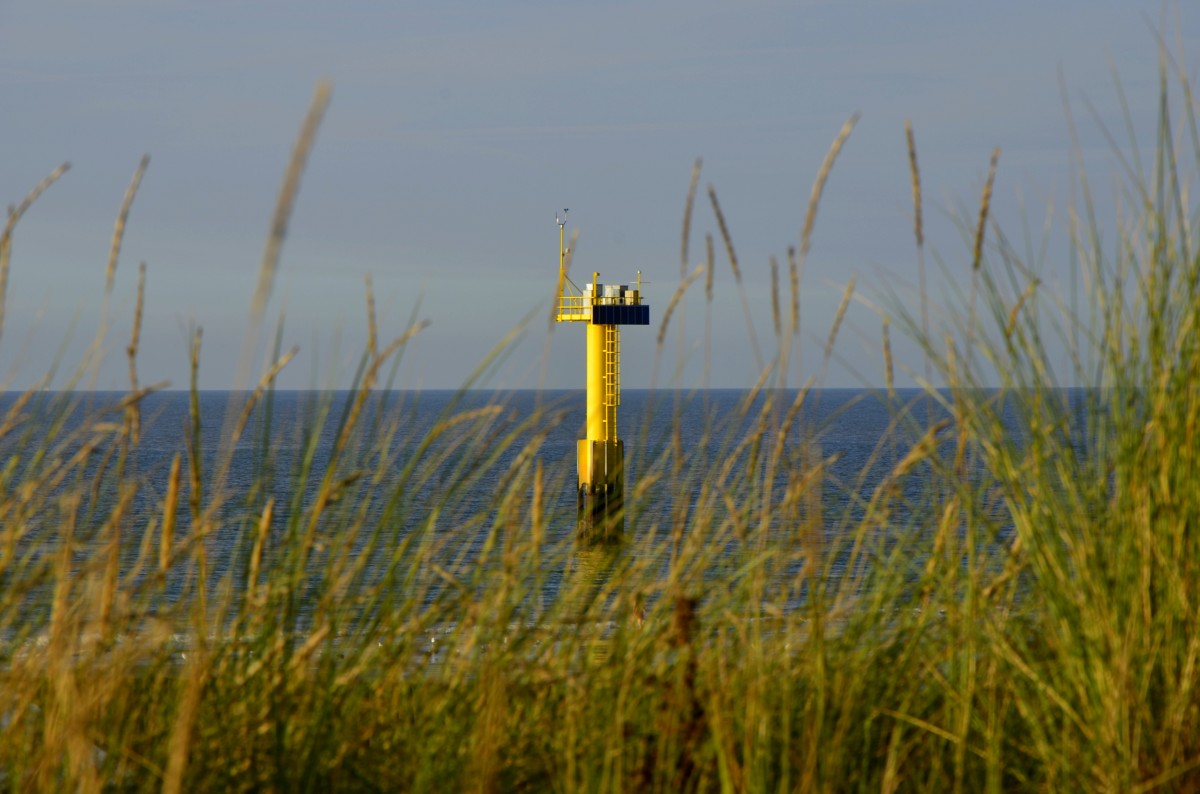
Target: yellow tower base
601, 487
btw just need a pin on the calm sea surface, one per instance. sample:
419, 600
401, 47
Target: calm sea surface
409, 464
844, 424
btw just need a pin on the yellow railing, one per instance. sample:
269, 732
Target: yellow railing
578, 308
574, 308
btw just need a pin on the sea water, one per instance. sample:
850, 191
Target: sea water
412, 464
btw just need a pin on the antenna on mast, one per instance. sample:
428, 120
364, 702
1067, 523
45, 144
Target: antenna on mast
562, 246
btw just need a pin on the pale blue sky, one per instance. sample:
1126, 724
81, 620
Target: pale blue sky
458, 128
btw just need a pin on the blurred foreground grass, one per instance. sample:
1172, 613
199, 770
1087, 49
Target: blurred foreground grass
1025, 618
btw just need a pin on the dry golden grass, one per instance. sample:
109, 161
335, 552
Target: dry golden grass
1004, 598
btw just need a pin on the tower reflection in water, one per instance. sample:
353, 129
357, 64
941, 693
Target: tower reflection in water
596, 597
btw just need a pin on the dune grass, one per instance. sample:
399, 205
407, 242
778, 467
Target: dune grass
1013, 604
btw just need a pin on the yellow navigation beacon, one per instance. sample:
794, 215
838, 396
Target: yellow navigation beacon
601, 454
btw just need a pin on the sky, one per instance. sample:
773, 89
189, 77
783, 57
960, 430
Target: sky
456, 131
